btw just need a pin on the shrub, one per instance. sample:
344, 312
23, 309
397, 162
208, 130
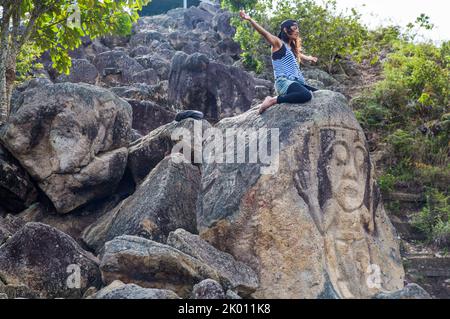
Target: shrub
434, 219
386, 182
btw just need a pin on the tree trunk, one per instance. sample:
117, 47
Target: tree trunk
4, 49
10, 78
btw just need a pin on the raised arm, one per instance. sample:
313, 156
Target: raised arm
274, 41
308, 58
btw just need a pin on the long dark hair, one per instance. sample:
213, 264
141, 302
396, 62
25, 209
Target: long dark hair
296, 45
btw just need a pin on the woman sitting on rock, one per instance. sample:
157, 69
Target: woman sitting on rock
286, 52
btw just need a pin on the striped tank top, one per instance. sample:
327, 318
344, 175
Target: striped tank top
285, 64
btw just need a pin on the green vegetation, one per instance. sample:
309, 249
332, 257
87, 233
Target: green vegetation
409, 108
434, 218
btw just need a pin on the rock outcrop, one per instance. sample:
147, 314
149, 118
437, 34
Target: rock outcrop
147, 152
313, 225
48, 262
148, 116
107, 158
215, 89
208, 289
71, 138
150, 264
411, 291
119, 290
164, 202
235, 275
81, 71
17, 191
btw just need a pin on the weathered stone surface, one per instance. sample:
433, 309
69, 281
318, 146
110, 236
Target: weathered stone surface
145, 38
232, 295
140, 51
313, 225
75, 223
113, 41
150, 264
119, 290
70, 138
125, 67
194, 15
164, 202
81, 71
319, 75
17, 291
144, 92
229, 47
221, 23
148, 116
208, 289
16, 188
234, 274
160, 65
146, 153
9, 225
411, 291
43, 258
147, 76
215, 89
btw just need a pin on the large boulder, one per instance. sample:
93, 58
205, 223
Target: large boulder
221, 24
150, 264
155, 62
147, 76
9, 225
308, 218
195, 15
147, 152
16, 188
208, 289
143, 92
145, 38
76, 222
48, 262
215, 89
71, 139
119, 290
411, 291
235, 275
148, 116
81, 71
116, 67
165, 201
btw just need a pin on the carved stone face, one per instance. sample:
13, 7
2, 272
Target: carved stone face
347, 168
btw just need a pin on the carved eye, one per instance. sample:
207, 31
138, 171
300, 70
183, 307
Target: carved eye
340, 153
360, 156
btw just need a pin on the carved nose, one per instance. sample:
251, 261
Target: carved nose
350, 171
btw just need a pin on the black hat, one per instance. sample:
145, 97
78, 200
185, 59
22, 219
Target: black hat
287, 24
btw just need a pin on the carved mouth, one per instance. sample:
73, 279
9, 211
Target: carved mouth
350, 189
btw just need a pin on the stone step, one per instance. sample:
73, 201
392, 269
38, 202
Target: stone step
405, 197
429, 266
432, 273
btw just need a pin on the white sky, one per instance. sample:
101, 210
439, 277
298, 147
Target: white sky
401, 12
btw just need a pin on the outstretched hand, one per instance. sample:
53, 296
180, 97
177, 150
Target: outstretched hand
244, 16
313, 59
